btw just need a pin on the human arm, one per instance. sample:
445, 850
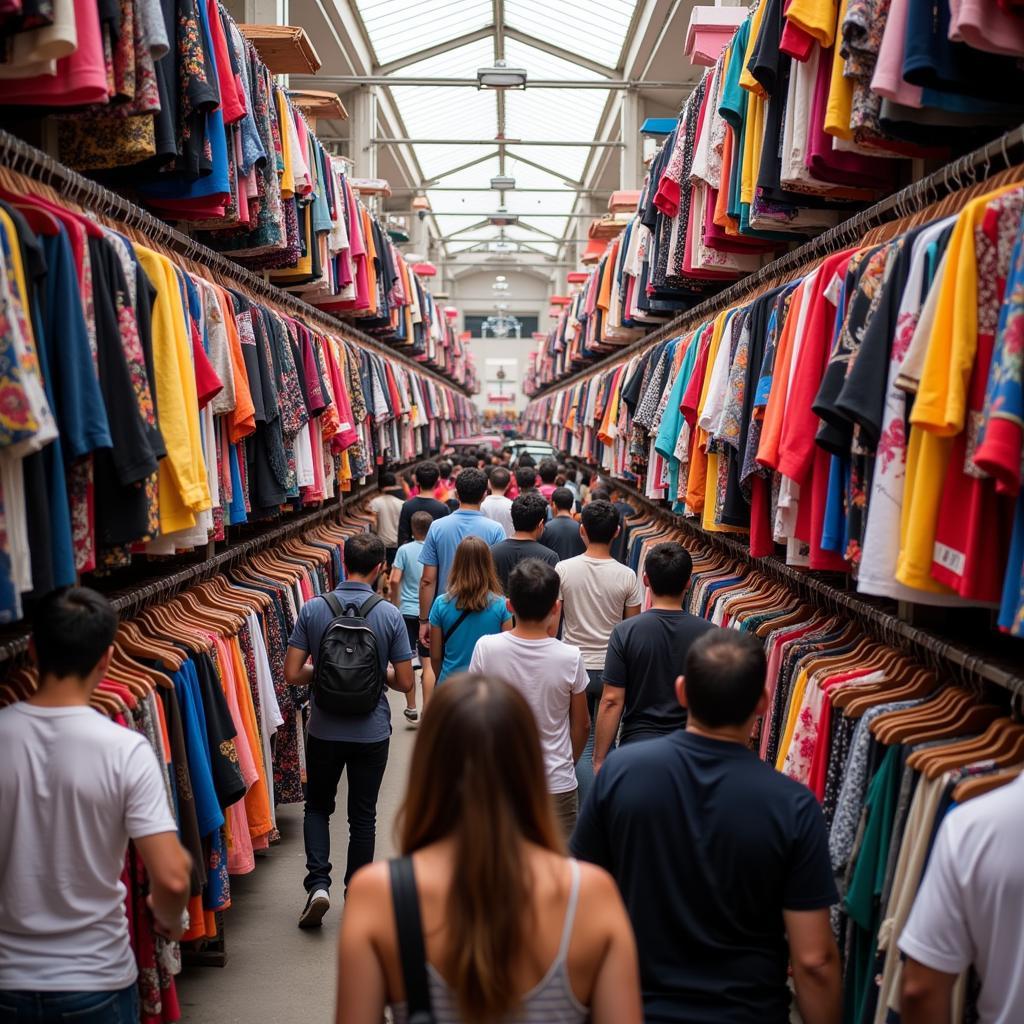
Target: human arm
609, 714
635, 599
630, 611
296, 671
394, 586
169, 867
615, 998
428, 591
815, 961
362, 984
926, 995
436, 650
579, 723
403, 679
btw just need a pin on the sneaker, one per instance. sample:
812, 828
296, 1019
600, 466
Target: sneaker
317, 905
411, 715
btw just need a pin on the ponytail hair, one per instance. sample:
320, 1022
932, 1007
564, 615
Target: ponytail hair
477, 777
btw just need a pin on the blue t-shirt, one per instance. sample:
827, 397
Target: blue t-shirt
445, 535
408, 563
459, 649
392, 645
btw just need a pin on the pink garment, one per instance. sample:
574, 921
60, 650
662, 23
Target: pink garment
888, 77
980, 24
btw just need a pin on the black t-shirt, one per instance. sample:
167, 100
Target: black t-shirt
437, 510
645, 656
708, 845
509, 553
562, 535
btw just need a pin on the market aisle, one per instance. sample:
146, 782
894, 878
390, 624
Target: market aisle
277, 973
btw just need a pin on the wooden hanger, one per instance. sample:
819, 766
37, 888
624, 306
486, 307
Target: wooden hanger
959, 721
968, 789
133, 642
1002, 739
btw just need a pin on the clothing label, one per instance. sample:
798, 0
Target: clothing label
949, 559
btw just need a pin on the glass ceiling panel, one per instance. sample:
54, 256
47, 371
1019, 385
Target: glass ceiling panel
542, 65
397, 28
576, 25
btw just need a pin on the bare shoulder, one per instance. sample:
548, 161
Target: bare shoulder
369, 892
598, 885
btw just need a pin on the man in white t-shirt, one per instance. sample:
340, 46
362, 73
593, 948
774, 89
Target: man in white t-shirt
550, 674
970, 911
496, 505
74, 788
597, 593
387, 511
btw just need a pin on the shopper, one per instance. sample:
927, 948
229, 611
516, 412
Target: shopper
426, 480
645, 655
404, 588
548, 473
562, 533
387, 510
550, 674
968, 912
526, 480
597, 593
444, 489
336, 743
528, 511
497, 505
472, 607
74, 788
723, 861
444, 537
511, 929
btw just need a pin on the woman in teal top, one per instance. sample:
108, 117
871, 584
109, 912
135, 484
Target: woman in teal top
473, 607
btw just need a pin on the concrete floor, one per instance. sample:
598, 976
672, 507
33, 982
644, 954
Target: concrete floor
276, 973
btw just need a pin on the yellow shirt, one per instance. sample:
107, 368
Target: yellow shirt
840, 90
288, 174
941, 405
747, 80
816, 17
182, 484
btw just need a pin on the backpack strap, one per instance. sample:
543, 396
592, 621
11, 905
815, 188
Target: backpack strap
371, 602
411, 950
447, 634
334, 603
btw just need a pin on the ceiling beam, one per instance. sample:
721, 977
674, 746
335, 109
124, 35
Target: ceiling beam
557, 51
571, 182
498, 16
433, 51
461, 167
556, 143
469, 227
351, 81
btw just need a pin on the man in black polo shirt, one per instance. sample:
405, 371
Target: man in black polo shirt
528, 511
646, 654
722, 861
427, 475
562, 534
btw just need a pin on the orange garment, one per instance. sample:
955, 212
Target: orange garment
242, 419
771, 428
722, 218
257, 800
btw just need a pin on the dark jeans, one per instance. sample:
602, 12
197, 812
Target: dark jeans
585, 765
121, 1007
325, 761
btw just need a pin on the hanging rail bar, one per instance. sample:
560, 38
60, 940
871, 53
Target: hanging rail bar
956, 175
24, 159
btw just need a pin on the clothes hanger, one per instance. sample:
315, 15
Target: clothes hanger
134, 643
961, 721
912, 683
1000, 739
968, 789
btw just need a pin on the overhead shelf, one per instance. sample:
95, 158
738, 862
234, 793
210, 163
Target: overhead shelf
318, 103
285, 49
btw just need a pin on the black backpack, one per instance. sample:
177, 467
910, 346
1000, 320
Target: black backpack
347, 677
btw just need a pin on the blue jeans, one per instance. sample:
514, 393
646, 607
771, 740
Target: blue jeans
325, 761
121, 1007
585, 765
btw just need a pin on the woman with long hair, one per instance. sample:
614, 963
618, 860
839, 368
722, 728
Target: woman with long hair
513, 932
472, 607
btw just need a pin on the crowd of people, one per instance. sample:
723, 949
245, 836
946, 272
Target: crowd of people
566, 707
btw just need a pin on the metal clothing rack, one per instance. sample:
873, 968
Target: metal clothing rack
20, 157
968, 169
934, 650
159, 586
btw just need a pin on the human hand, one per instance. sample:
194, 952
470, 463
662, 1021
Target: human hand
425, 634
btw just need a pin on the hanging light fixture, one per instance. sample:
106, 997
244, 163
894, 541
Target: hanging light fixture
501, 76
503, 183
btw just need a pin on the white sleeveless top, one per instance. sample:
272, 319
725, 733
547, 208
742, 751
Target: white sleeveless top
550, 1001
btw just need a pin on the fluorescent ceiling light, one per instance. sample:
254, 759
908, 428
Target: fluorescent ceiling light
503, 183
501, 76
502, 218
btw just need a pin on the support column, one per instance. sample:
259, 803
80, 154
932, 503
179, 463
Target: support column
631, 156
362, 110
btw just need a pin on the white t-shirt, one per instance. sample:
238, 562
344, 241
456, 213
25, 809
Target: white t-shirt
499, 508
970, 905
388, 509
74, 787
547, 673
595, 593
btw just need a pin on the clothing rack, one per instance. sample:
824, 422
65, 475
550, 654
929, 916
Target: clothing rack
964, 171
969, 668
130, 600
33, 163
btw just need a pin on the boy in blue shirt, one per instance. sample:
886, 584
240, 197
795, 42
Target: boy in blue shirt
404, 590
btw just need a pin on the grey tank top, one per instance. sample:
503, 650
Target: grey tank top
550, 1001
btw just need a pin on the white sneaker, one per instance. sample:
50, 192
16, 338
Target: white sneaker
317, 905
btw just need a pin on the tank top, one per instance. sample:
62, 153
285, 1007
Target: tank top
550, 1001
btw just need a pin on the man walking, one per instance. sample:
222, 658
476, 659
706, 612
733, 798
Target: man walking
387, 510
528, 511
444, 537
497, 505
562, 533
548, 673
722, 861
427, 475
645, 655
597, 593
358, 743
74, 788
